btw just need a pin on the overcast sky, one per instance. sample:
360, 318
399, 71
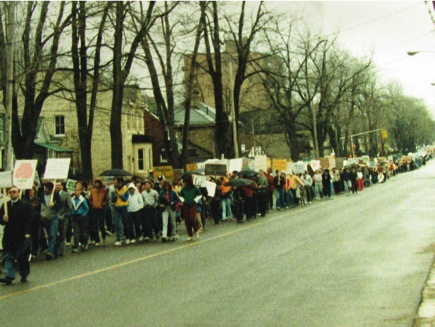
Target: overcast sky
385, 29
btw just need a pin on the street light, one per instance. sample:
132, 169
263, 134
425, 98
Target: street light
413, 53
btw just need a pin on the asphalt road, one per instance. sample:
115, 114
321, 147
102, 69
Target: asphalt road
353, 260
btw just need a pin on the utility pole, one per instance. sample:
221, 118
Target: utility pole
8, 161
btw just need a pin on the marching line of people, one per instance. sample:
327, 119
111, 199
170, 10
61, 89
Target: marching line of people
46, 220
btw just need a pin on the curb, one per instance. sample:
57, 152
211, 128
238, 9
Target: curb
426, 310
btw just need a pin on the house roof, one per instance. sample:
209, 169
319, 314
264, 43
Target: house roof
54, 147
203, 115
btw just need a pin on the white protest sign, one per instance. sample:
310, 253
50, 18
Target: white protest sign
290, 167
315, 164
235, 165
5, 179
211, 188
260, 163
199, 180
24, 173
57, 168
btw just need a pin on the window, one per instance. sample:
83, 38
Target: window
2, 127
140, 159
59, 122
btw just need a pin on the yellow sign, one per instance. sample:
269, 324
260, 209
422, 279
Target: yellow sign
279, 164
191, 167
166, 171
384, 134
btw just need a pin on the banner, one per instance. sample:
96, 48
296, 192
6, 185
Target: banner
24, 173
6, 179
57, 168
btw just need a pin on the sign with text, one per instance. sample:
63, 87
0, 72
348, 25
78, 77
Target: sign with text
24, 173
215, 169
166, 171
57, 168
6, 179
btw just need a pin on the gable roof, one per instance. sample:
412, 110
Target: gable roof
203, 115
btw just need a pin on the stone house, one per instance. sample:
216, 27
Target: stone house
58, 131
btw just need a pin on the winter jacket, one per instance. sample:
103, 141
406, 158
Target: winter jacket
135, 201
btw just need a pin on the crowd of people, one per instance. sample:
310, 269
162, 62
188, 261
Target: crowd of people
47, 220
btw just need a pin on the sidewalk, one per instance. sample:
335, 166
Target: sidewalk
426, 310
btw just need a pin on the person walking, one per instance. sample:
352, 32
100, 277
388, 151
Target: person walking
64, 214
190, 196
120, 197
50, 206
168, 200
16, 237
135, 205
79, 219
149, 219
99, 201
262, 189
226, 199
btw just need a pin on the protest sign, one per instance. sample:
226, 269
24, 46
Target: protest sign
260, 163
57, 168
6, 179
199, 180
290, 167
215, 170
191, 167
24, 173
299, 167
211, 188
70, 185
235, 165
279, 164
315, 165
165, 171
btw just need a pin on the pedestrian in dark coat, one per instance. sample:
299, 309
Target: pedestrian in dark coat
16, 238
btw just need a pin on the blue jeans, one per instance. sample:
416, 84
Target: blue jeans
290, 198
226, 208
52, 226
120, 214
280, 199
23, 264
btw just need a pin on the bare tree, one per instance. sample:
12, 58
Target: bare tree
122, 63
82, 72
213, 42
38, 67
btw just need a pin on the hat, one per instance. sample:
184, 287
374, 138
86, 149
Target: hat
161, 177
